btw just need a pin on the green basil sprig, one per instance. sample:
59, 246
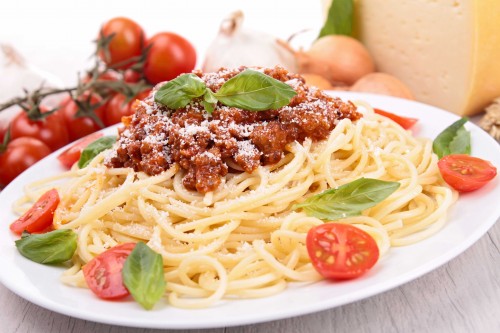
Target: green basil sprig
254, 91
143, 275
177, 93
339, 19
347, 200
53, 247
455, 139
209, 101
249, 90
93, 149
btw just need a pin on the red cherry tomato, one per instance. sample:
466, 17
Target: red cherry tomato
466, 173
170, 55
117, 107
40, 216
131, 76
50, 130
78, 127
19, 155
71, 155
127, 42
104, 273
404, 122
341, 251
109, 75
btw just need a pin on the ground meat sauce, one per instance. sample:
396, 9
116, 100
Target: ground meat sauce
156, 137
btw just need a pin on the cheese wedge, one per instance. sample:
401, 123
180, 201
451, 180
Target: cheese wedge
446, 51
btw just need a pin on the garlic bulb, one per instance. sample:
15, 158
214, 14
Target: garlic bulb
236, 46
16, 75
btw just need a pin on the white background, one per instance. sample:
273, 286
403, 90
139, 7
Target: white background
56, 35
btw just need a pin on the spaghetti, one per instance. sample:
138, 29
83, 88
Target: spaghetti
242, 240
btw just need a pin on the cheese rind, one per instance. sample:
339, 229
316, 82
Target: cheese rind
446, 51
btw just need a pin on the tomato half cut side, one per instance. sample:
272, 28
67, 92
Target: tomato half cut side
40, 216
103, 274
341, 251
405, 122
71, 155
466, 173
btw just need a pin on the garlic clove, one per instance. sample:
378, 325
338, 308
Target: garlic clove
17, 75
237, 46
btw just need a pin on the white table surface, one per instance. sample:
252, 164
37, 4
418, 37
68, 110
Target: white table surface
461, 296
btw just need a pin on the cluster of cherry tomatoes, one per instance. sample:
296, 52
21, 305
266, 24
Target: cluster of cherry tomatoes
126, 58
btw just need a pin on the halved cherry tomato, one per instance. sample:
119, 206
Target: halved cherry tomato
104, 273
20, 154
404, 122
39, 217
71, 155
466, 173
341, 251
127, 41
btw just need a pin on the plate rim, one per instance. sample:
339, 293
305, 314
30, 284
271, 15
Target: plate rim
395, 282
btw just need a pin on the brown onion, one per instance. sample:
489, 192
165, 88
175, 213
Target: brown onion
382, 83
342, 60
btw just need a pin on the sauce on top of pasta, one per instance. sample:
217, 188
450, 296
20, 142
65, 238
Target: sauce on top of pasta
155, 137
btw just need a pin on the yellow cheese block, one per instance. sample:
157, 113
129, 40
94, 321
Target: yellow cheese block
446, 51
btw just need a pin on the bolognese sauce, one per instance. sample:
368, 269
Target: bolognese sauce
204, 144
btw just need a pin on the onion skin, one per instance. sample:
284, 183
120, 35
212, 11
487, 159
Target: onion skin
384, 84
342, 60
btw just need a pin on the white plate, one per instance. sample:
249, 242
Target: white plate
468, 220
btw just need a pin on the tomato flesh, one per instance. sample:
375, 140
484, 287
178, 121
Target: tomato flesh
40, 216
71, 155
466, 173
341, 251
405, 122
103, 274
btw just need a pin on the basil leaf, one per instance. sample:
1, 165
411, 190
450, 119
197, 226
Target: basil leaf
455, 139
255, 91
339, 19
143, 275
461, 142
53, 247
209, 101
179, 92
348, 200
93, 149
